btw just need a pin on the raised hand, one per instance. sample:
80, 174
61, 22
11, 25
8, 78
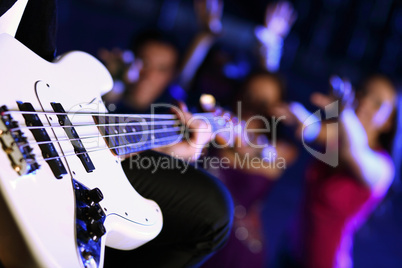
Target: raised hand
342, 90
209, 14
279, 18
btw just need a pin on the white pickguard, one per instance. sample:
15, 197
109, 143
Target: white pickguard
43, 207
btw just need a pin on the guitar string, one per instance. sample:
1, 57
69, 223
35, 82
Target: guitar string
141, 148
211, 117
131, 144
158, 131
207, 116
158, 116
128, 145
165, 116
162, 131
165, 123
156, 123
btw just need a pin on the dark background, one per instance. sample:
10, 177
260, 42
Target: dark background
349, 38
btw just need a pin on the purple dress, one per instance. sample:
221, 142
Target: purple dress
245, 247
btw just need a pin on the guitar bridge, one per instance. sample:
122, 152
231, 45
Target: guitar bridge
15, 144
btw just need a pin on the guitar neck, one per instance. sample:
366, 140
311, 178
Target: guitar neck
130, 134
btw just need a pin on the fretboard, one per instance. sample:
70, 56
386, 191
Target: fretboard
131, 134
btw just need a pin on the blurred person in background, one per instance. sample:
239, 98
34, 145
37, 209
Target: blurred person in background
142, 80
249, 184
339, 199
226, 67
150, 73
151, 70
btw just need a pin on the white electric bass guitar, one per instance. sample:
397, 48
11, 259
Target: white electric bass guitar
63, 193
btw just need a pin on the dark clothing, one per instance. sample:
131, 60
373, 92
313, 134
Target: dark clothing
37, 28
172, 94
196, 207
336, 205
197, 212
5, 5
246, 246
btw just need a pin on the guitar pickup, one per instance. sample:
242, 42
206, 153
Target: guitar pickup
15, 144
72, 134
49, 152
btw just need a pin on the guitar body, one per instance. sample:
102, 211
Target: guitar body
39, 226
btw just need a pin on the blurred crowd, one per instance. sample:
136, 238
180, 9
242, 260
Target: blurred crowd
349, 137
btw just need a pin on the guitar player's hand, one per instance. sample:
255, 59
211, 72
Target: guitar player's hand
197, 135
